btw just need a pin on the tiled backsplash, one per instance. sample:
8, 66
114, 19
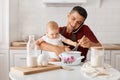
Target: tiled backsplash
30, 17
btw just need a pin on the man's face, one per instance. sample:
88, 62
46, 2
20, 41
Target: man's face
74, 20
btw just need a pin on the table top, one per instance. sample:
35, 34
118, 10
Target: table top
62, 74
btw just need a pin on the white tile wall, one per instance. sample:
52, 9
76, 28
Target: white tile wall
32, 16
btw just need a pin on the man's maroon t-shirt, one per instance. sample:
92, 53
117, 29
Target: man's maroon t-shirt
84, 30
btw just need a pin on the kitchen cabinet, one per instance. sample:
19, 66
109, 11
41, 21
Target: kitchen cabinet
115, 59
111, 57
107, 57
4, 39
4, 24
17, 58
4, 65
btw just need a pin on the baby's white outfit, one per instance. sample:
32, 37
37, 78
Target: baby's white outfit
56, 41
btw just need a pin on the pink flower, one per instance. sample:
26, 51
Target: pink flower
68, 60
71, 59
64, 59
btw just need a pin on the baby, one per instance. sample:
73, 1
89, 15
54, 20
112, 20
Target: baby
53, 37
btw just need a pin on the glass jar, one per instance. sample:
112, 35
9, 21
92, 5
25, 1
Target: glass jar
31, 52
97, 56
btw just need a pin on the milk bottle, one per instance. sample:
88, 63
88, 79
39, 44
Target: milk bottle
31, 52
97, 56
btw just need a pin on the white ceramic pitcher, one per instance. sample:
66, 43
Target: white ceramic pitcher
42, 59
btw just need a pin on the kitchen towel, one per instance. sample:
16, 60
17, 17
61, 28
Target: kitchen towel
91, 71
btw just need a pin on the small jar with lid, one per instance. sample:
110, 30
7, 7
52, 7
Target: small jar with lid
97, 56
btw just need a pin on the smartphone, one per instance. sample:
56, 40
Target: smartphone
75, 31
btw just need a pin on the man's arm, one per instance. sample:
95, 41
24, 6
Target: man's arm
89, 39
52, 48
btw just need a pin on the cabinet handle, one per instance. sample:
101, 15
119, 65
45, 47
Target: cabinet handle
22, 58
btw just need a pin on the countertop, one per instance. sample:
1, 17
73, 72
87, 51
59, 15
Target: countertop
111, 46
61, 74
106, 47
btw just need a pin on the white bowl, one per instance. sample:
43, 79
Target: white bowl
71, 58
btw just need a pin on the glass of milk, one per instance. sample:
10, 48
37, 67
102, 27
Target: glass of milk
97, 56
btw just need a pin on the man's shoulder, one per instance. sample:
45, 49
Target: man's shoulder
85, 27
62, 28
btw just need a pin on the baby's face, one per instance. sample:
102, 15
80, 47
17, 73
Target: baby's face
53, 33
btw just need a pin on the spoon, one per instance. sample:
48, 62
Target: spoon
76, 47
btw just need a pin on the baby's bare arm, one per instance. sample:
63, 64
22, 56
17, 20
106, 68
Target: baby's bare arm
39, 41
70, 42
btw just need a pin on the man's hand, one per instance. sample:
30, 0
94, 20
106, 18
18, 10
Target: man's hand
59, 49
84, 42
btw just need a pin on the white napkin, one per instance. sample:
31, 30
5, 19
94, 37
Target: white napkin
91, 71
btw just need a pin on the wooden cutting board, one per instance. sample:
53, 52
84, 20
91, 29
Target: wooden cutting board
23, 70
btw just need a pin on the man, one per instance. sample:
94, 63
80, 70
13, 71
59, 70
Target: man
76, 31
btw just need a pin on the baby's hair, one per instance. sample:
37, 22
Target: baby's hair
52, 25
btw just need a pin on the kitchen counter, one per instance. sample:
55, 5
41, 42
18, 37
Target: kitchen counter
17, 48
106, 47
61, 74
111, 46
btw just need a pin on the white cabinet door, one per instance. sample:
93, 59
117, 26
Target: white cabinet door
4, 24
4, 66
107, 57
115, 60
17, 58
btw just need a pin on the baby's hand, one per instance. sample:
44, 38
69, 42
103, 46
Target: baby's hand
37, 42
67, 48
76, 44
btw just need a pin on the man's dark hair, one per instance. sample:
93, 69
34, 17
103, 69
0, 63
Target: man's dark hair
80, 10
